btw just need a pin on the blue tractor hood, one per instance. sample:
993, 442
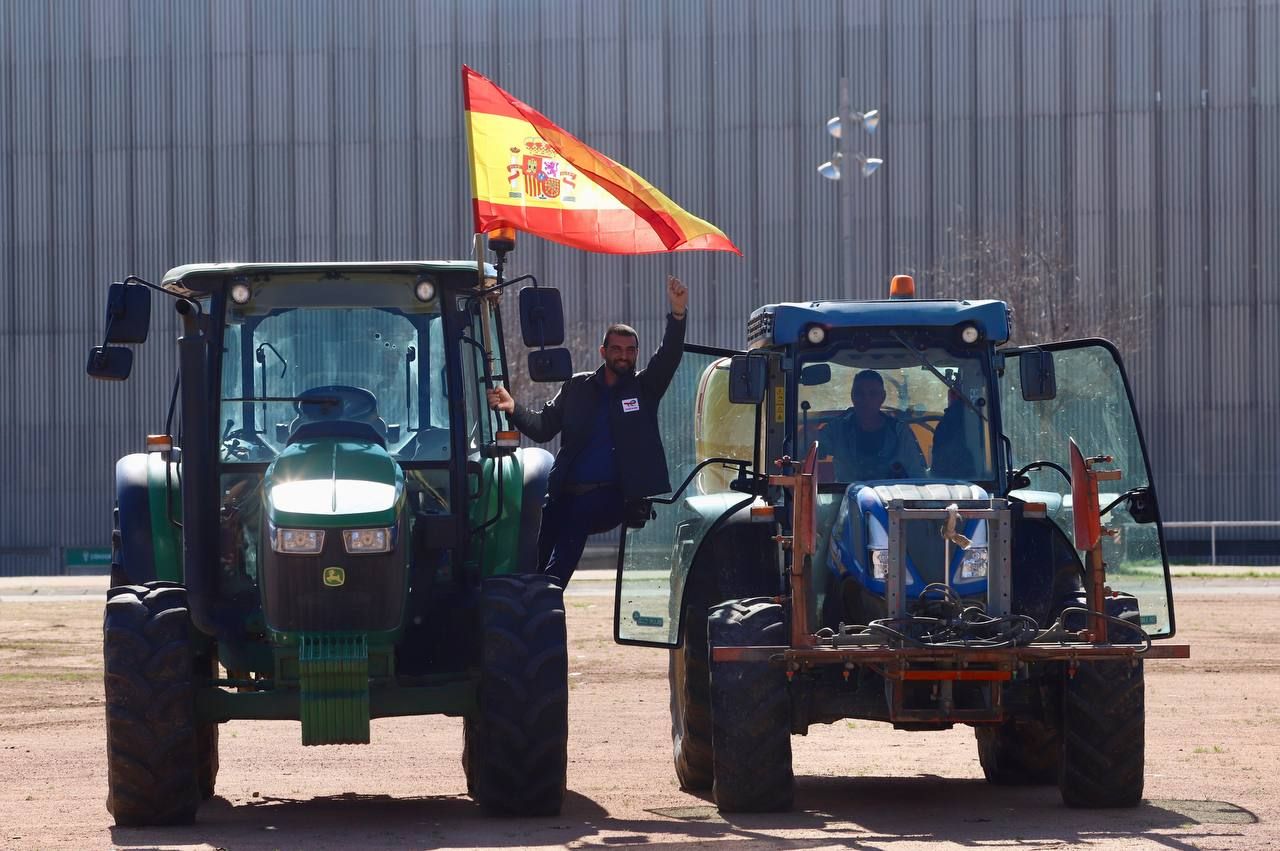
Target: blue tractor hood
861, 530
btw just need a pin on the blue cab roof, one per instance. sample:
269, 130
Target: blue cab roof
787, 322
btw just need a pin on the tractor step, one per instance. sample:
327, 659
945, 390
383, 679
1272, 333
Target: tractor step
334, 682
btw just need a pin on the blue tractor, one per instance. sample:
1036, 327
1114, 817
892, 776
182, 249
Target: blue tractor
889, 514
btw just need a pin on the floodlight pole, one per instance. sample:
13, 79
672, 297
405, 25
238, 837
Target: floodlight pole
847, 164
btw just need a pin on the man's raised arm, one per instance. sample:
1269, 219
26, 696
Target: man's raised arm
662, 366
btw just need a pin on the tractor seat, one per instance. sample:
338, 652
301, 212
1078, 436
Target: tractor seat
353, 414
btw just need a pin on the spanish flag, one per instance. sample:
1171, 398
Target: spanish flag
529, 174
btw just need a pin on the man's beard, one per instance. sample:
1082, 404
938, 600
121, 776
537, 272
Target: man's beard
622, 369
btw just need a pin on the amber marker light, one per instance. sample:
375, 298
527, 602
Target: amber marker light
902, 286
159, 443
502, 239
1035, 509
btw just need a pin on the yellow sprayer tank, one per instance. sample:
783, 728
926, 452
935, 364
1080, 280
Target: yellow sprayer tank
721, 429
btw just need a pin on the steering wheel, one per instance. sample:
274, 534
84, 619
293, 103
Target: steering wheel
336, 402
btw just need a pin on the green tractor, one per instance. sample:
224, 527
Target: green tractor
340, 531
932, 554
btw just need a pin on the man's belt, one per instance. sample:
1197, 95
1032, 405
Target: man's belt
579, 488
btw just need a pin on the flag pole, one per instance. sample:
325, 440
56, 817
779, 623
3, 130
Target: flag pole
500, 245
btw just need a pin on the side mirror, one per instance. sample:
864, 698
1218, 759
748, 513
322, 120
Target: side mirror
1142, 505
541, 317
550, 365
128, 313
1039, 382
109, 363
748, 375
815, 374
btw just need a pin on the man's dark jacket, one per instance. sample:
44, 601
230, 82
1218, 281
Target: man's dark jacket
633, 415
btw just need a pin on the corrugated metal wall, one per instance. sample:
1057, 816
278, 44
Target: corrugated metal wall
1112, 163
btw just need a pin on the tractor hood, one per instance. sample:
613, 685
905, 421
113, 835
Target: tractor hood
861, 530
332, 482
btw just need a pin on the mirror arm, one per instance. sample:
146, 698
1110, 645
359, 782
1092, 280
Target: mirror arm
1124, 497
502, 285
134, 279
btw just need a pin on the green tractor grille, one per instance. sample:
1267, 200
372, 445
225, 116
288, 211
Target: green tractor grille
333, 672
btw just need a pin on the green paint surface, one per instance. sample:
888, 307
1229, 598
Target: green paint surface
166, 538
324, 462
496, 547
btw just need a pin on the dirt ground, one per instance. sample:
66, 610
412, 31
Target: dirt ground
1213, 753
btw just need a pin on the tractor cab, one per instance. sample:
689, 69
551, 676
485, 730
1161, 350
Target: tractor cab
905, 401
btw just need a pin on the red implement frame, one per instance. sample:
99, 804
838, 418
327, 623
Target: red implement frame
1089, 531
803, 540
942, 663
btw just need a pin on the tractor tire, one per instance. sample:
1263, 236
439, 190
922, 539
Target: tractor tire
207, 772
1103, 726
118, 575
1020, 753
734, 563
690, 681
207, 742
750, 711
515, 753
153, 741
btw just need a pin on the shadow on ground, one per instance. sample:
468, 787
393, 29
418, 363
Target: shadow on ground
853, 812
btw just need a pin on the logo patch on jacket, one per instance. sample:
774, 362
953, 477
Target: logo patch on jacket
630, 406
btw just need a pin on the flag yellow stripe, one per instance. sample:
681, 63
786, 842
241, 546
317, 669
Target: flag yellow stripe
492, 138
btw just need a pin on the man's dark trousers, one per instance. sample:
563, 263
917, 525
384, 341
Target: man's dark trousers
568, 519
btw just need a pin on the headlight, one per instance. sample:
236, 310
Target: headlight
367, 540
974, 563
879, 564
298, 542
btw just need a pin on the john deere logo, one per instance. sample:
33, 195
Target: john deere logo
334, 576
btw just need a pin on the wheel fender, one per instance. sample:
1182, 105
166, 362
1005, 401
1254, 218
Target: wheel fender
148, 548
134, 552
737, 559
535, 466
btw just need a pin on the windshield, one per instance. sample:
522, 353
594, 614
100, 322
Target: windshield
288, 364
881, 413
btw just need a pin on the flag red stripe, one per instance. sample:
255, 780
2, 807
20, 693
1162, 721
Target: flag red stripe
608, 231
479, 94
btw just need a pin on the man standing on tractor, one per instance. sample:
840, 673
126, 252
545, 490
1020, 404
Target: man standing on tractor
868, 444
611, 455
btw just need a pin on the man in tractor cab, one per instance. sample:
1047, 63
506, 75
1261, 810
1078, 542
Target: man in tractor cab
611, 455
868, 444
